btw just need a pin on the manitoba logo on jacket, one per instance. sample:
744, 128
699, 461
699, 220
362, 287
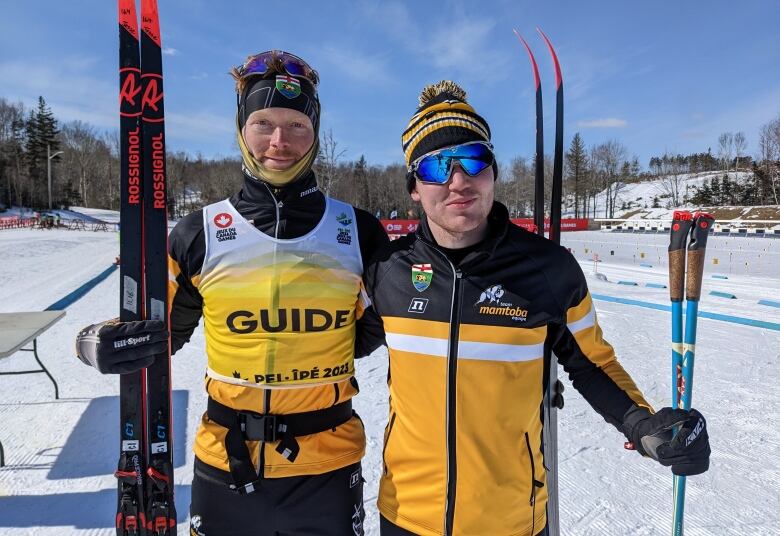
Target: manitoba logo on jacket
489, 303
422, 275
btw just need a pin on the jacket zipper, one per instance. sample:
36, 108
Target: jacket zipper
277, 205
534, 483
387, 439
261, 457
451, 390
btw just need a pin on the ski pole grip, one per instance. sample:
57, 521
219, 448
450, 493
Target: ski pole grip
681, 226
702, 224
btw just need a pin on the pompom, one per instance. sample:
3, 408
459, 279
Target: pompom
447, 87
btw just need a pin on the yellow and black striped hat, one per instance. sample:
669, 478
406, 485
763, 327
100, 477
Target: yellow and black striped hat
443, 119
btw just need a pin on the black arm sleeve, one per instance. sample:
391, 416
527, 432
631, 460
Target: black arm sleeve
588, 359
187, 249
371, 235
373, 239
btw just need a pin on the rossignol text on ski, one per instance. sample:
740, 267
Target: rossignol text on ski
145, 470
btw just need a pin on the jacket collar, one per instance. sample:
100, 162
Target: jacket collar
498, 226
255, 192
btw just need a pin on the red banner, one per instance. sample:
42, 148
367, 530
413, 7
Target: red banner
398, 228
567, 224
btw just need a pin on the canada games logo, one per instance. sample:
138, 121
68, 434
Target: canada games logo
225, 231
223, 220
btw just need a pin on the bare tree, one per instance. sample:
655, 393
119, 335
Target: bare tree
740, 145
726, 149
80, 142
11, 149
671, 172
515, 188
769, 154
328, 161
607, 160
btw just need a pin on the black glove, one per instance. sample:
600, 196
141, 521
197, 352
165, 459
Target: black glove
688, 452
115, 347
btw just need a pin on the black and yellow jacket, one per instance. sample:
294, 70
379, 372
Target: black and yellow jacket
292, 212
462, 448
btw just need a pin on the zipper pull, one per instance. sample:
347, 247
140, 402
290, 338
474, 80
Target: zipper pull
280, 204
458, 273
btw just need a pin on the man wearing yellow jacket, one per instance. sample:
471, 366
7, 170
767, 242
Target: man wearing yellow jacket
275, 272
468, 304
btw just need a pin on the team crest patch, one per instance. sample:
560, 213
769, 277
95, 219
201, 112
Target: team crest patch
288, 86
422, 275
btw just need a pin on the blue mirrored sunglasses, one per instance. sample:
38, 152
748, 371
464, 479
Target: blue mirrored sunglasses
281, 61
436, 167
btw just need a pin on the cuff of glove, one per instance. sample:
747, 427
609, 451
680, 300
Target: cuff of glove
631, 419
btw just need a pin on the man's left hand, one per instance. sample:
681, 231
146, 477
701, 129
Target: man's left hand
688, 452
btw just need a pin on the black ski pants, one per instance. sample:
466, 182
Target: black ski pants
330, 504
389, 529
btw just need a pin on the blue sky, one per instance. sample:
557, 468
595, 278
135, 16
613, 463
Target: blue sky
654, 75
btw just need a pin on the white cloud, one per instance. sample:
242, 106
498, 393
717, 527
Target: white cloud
198, 126
357, 66
170, 51
69, 87
607, 122
75, 90
462, 46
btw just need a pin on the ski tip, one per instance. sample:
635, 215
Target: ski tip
682, 215
127, 17
558, 75
537, 79
150, 21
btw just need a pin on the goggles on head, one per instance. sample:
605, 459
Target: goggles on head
436, 166
278, 60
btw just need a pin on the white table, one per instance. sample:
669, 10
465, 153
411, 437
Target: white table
19, 329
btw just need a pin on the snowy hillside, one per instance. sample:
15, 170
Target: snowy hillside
637, 200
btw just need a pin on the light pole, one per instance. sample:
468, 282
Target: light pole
49, 156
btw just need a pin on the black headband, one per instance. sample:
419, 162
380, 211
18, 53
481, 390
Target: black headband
280, 91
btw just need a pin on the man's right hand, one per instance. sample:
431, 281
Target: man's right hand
115, 347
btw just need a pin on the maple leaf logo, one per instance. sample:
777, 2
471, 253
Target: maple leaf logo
223, 220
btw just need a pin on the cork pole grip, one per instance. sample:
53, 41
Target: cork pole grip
676, 274
678, 238
702, 223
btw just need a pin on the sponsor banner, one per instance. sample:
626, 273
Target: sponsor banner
398, 228
567, 224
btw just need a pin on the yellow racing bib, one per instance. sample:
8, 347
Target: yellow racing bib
280, 313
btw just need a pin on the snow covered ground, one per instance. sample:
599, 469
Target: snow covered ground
61, 454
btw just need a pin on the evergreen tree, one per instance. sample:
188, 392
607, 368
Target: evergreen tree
702, 195
41, 133
726, 191
716, 195
576, 162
